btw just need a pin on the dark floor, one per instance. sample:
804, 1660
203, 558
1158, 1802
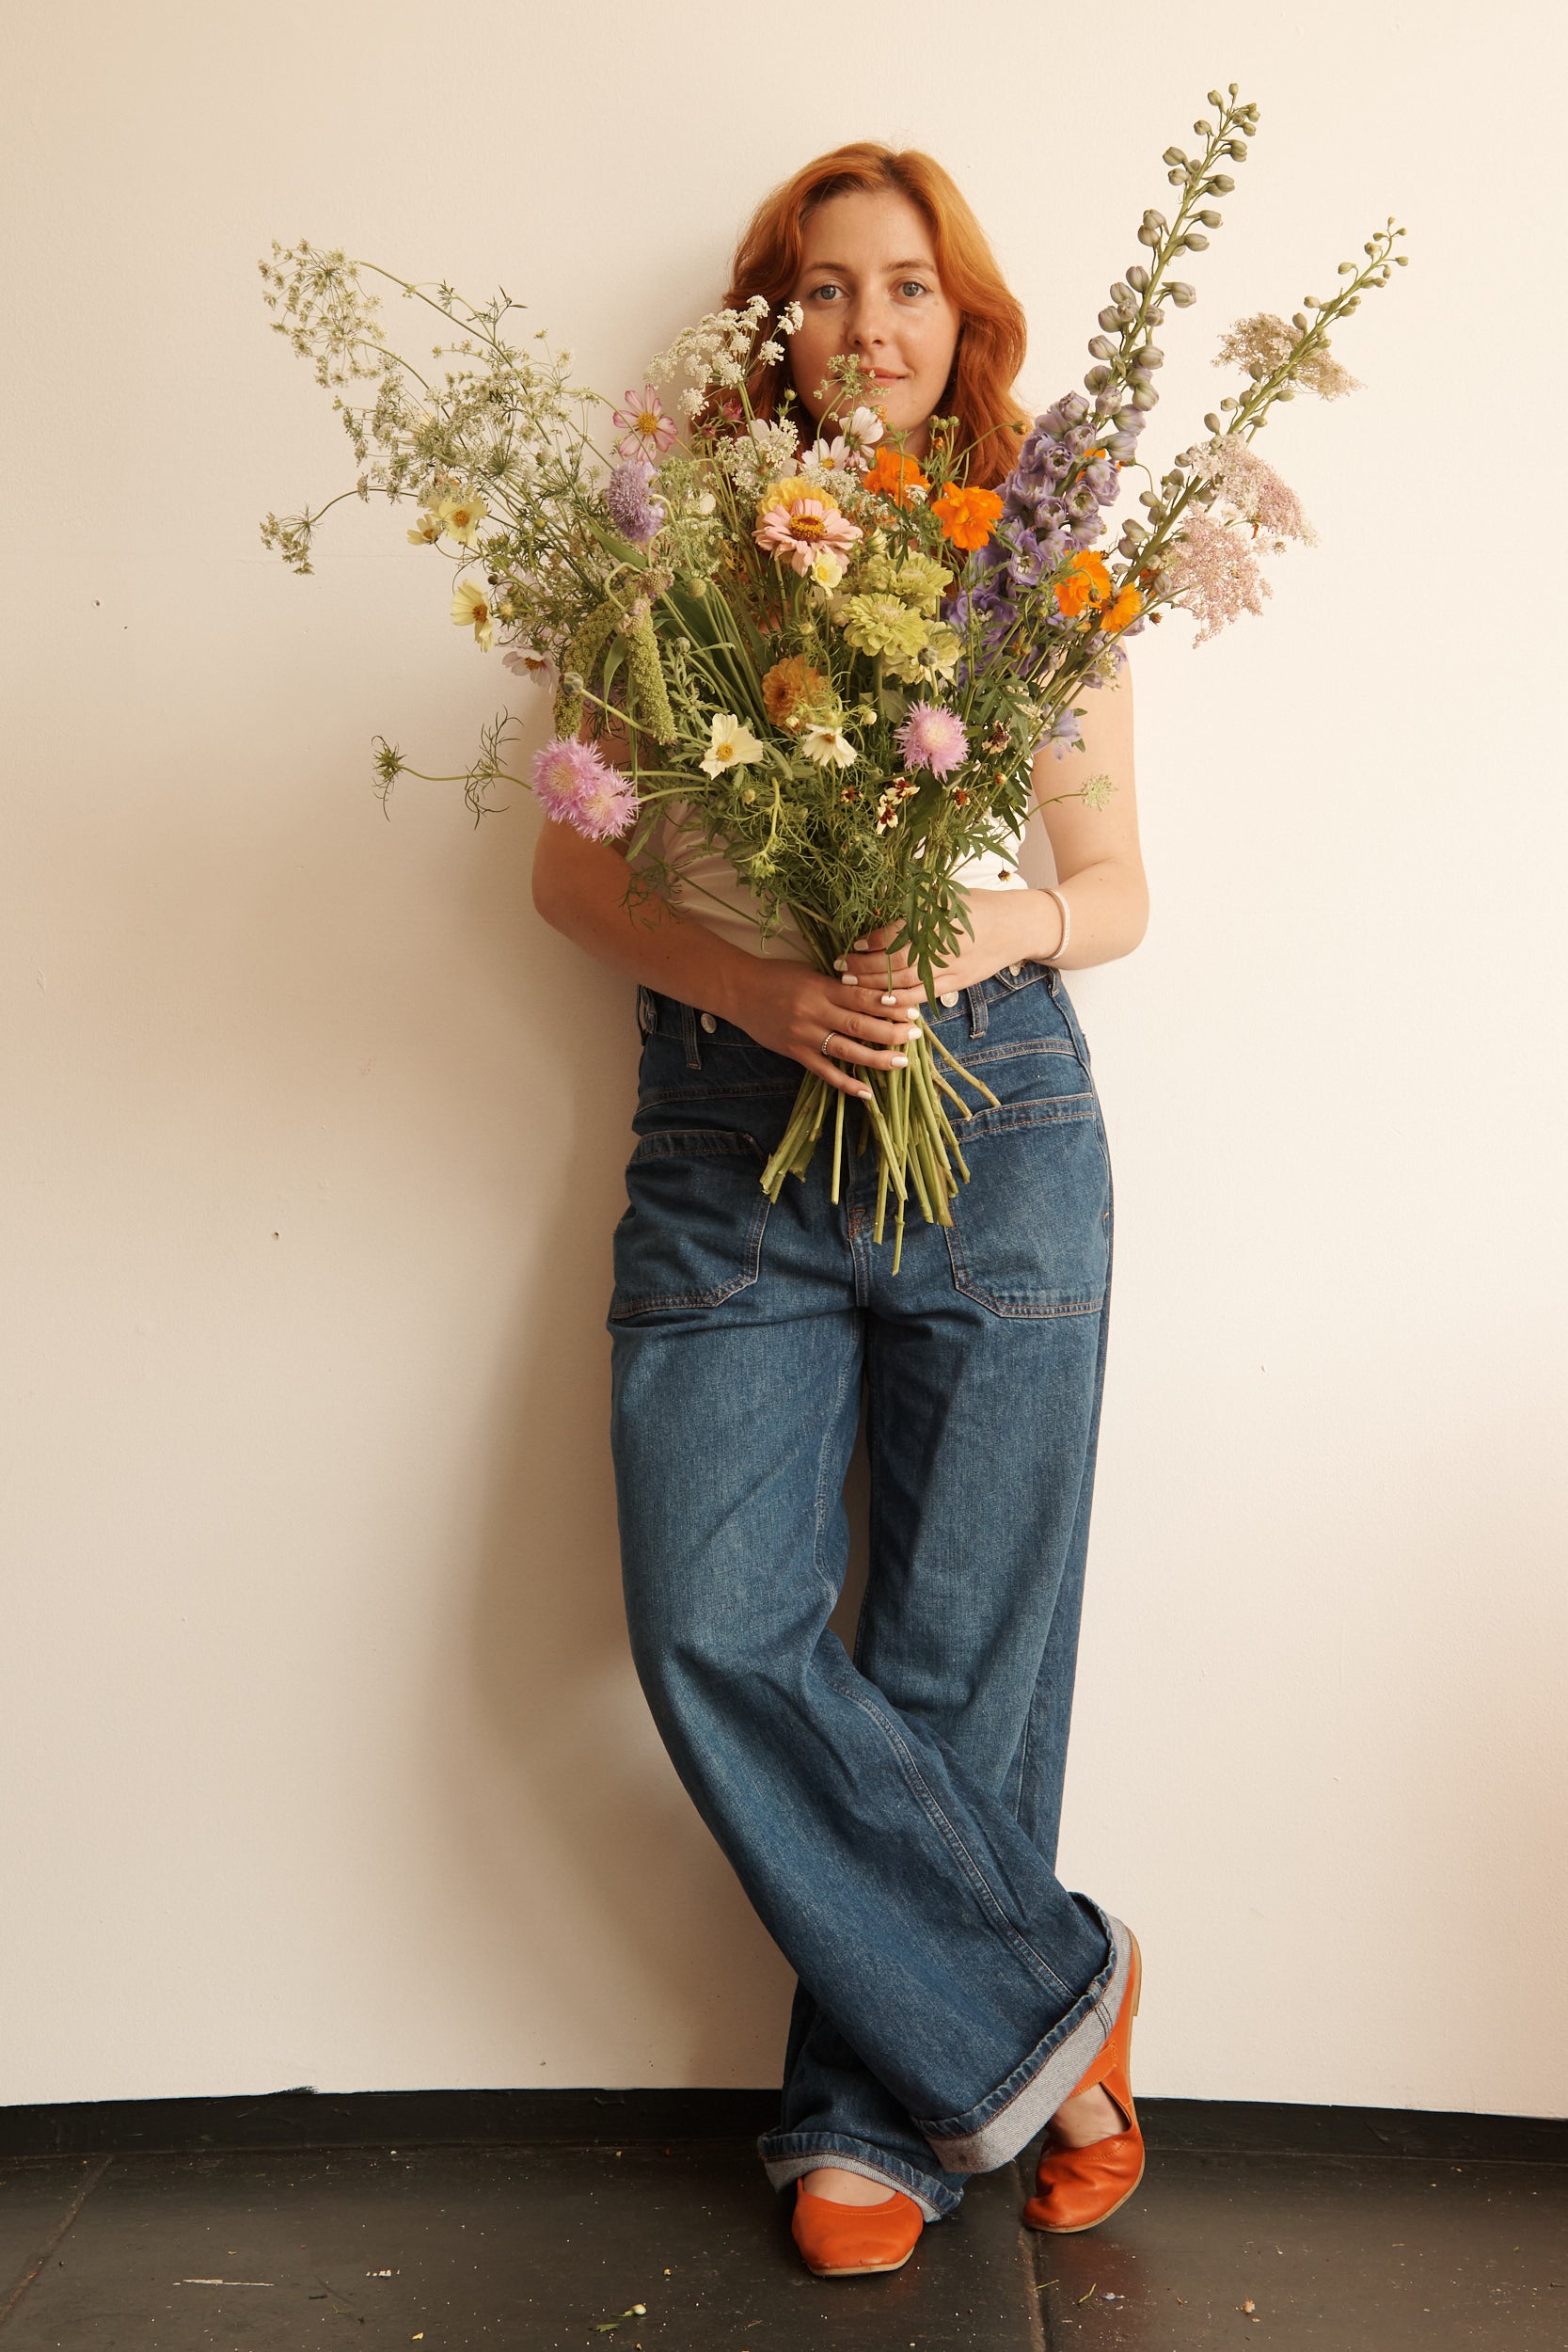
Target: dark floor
548, 2247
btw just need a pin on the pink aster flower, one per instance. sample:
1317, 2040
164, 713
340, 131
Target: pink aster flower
798, 527
932, 736
646, 430
576, 787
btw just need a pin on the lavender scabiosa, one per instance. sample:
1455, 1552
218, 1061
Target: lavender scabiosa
932, 736
634, 514
576, 785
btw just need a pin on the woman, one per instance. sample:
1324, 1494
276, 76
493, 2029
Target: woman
893, 1816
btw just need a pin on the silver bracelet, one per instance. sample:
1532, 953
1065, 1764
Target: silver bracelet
1067, 924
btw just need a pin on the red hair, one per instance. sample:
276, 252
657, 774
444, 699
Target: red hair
993, 332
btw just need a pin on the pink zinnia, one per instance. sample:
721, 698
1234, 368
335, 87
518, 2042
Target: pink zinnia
933, 737
576, 787
799, 529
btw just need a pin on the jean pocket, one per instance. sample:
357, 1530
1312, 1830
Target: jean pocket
692, 1235
1031, 1230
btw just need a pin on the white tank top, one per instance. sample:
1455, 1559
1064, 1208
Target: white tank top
709, 889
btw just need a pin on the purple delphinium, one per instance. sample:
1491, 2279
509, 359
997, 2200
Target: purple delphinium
574, 785
634, 514
1068, 471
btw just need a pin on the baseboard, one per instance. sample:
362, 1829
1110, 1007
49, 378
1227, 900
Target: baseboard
308, 2119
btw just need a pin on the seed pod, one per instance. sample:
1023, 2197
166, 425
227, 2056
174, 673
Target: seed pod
1110, 320
1300, 321
1096, 379
1204, 130
1148, 235
1176, 178
1150, 357
1213, 421
1220, 184
1101, 347
1147, 498
1172, 155
1157, 219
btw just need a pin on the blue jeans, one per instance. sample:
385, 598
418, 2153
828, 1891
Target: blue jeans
892, 1815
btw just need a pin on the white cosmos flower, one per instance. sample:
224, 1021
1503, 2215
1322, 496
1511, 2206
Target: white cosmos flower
732, 745
864, 427
826, 569
830, 747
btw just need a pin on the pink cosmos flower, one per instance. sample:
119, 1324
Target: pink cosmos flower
799, 529
933, 737
646, 430
576, 787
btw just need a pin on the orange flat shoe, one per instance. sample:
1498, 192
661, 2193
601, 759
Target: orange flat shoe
843, 2241
1076, 2187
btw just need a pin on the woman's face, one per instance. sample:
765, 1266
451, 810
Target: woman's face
869, 286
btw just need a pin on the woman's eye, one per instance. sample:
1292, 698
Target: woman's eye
827, 289
913, 286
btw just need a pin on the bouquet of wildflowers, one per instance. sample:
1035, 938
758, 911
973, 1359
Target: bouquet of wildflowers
837, 664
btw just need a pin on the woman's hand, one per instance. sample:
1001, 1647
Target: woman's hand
1009, 927
795, 1009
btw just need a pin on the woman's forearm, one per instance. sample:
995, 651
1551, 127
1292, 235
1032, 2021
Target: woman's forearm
1110, 915
579, 888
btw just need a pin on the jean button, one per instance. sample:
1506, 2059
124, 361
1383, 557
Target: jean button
708, 1023
950, 996
1015, 969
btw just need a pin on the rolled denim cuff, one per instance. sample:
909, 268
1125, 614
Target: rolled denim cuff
1009, 2117
805, 2151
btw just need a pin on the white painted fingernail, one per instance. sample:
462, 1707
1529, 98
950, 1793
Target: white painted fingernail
838, 964
849, 980
890, 998
900, 1061
862, 945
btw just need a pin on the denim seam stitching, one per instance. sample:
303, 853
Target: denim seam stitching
912, 1773
822, 1504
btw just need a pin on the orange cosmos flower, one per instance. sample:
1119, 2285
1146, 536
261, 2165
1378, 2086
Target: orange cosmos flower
1088, 582
1127, 606
966, 516
894, 477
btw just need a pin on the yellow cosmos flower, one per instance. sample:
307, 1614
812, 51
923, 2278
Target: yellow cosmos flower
428, 530
472, 604
461, 516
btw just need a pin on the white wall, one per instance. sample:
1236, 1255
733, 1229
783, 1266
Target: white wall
324, 1759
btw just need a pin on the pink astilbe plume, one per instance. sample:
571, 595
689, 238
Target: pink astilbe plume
1212, 572
1264, 340
933, 737
1249, 490
576, 787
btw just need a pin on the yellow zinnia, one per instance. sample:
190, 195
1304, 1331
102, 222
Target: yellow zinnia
795, 486
472, 604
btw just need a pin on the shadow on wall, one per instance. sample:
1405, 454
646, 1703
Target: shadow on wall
609, 1919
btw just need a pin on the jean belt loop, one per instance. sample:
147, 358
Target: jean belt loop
976, 1000
647, 1012
689, 1036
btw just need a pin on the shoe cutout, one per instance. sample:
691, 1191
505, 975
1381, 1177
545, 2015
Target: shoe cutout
1077, 2187
844, 2241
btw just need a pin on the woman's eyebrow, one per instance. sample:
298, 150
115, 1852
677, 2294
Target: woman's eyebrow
845, 271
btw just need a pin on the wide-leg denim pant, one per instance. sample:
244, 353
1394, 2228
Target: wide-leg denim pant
893, 1814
